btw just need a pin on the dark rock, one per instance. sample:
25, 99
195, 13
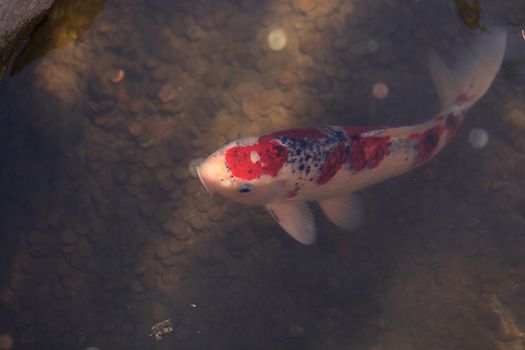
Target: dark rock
17, 19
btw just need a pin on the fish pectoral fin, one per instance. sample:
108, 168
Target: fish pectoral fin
296, 218
346, 212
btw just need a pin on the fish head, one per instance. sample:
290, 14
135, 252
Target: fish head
244, 171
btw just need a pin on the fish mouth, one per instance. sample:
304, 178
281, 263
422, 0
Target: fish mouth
206, 187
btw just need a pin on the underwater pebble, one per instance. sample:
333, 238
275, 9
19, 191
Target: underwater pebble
136, 286
136, 105
277, 40
212, 78
135, 128
478, 138
304, 6
181, 174
166, 93
162, 251
372, 46
6, 342
69, 237
517, 117
150, 63
171, 277
341, 44
197, 222
380, 90
296, 331
166, 179
179, 229
198, 143
170, 261
175, 246
194, 32
286, 80
85, 248
202, 203
231, 207
216, 214
193, 165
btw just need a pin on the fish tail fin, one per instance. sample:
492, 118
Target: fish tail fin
468, 80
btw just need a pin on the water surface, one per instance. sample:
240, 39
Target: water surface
105, 233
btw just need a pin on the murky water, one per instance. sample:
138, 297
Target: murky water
105, 233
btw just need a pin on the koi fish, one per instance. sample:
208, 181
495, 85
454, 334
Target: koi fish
284, 170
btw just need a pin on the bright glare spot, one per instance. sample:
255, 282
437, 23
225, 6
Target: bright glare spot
277, 40
380, 90
254, 157
478, 138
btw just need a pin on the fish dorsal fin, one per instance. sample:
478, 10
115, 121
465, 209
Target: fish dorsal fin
296, 218
346, 211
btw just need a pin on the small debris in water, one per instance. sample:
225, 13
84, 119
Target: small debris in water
277, 40
162, 328
116, 75
380, 90
478, 138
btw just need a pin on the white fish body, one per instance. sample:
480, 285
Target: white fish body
285, 169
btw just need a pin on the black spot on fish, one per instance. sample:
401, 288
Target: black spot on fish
432, 140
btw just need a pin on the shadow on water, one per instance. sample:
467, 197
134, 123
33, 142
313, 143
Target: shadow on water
108, 234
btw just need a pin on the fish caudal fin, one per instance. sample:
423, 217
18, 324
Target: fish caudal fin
296, 218
346, 212
471, 76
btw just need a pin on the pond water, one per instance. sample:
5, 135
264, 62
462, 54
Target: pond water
105, 232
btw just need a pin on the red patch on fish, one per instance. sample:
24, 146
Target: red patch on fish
368, 151
297, 134
271, 157
428, 142
333, 163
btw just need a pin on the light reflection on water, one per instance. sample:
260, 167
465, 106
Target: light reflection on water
106, 233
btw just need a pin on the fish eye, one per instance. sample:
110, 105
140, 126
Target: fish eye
245, 188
